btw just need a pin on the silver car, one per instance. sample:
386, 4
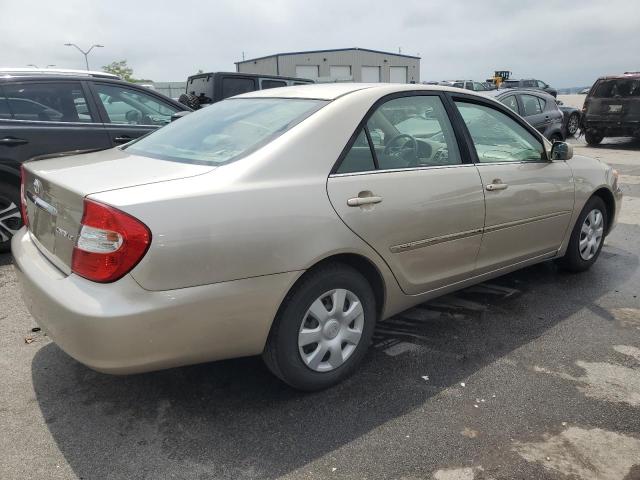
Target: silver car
287, 222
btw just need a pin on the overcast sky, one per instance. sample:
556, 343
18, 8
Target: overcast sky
565, 43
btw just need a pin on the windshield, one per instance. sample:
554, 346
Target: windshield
225, 131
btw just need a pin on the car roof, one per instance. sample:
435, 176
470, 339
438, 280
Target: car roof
512, 91
331, 91
30, 71
624, 76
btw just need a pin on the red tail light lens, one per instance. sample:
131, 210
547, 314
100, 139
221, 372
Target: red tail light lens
23, 198
110, 243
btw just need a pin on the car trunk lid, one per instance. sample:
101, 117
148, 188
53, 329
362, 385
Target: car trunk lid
54, 191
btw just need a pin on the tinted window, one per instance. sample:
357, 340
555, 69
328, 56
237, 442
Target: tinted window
478, 87
618, 88
497, 137
531, 105
49, 102
132, 107
232, 86
541, 84
359, 158
273, 84
225, 131
529, 83
413, 131
511, 102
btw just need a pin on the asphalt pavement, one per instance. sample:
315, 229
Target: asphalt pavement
534, 375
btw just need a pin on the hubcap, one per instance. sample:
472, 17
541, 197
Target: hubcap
331, 330
591, 234
573, 124
10, 219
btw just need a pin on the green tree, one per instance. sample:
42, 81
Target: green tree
121, 69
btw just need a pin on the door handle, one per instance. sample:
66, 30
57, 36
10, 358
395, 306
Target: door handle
10, 141
359, 201
122, 139
497, 186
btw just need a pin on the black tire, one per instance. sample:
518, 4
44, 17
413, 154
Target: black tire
573, 124
572, 260
282, 355
10, 218
593, 138
189, 100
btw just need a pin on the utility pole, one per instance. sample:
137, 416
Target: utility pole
86, 54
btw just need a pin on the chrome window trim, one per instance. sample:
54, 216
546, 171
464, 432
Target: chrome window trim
49, 122
392, 170
519, 162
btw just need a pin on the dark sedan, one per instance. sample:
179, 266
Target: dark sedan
538, 108
571, 118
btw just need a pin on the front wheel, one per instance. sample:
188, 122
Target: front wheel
587, 237
10, 217
323, 328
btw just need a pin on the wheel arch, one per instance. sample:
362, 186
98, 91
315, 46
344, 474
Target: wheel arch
10, 176
610, 203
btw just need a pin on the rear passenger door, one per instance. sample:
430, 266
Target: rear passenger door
45, 117
533, 111
128, 113
405, 187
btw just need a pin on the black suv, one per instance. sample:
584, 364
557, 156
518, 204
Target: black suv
530, 83
205, 88
612, 108
46, 112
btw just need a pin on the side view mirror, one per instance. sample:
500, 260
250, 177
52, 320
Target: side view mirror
561, 151
179, 115
559, 102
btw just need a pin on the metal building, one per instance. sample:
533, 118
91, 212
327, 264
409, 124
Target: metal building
343, 64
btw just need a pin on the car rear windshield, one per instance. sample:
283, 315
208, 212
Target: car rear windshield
225, 131
623, 87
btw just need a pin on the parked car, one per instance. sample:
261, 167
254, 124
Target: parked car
612, 108
45, 112
584, 91
572, 118
287, 222
207, 88
539, 109
530, 83
466, 84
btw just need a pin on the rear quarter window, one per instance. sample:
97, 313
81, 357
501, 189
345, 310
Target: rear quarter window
614, 88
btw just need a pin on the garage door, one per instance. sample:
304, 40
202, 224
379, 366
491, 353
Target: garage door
371, 74
307, 71
340, 72
398, 74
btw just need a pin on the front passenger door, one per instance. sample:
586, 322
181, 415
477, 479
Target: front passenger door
129, 113
529, 199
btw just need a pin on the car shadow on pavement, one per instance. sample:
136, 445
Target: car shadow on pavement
232, 419
5, 259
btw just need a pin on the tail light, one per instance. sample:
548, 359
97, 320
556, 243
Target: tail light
23, 198
110, 243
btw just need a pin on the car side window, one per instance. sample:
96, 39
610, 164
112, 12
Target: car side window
512, 103
273, 84
47, 102
541, 84
359, 158
497, 137
531, 105
232, 86
132, 107
478, 87
405, 132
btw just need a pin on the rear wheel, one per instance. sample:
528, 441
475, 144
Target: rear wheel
593, 137
587, 237
573, 124
323, 329
10, 217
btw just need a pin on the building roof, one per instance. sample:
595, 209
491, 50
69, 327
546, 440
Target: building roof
327, 51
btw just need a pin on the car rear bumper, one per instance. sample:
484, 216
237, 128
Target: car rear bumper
121, 328
613, 128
